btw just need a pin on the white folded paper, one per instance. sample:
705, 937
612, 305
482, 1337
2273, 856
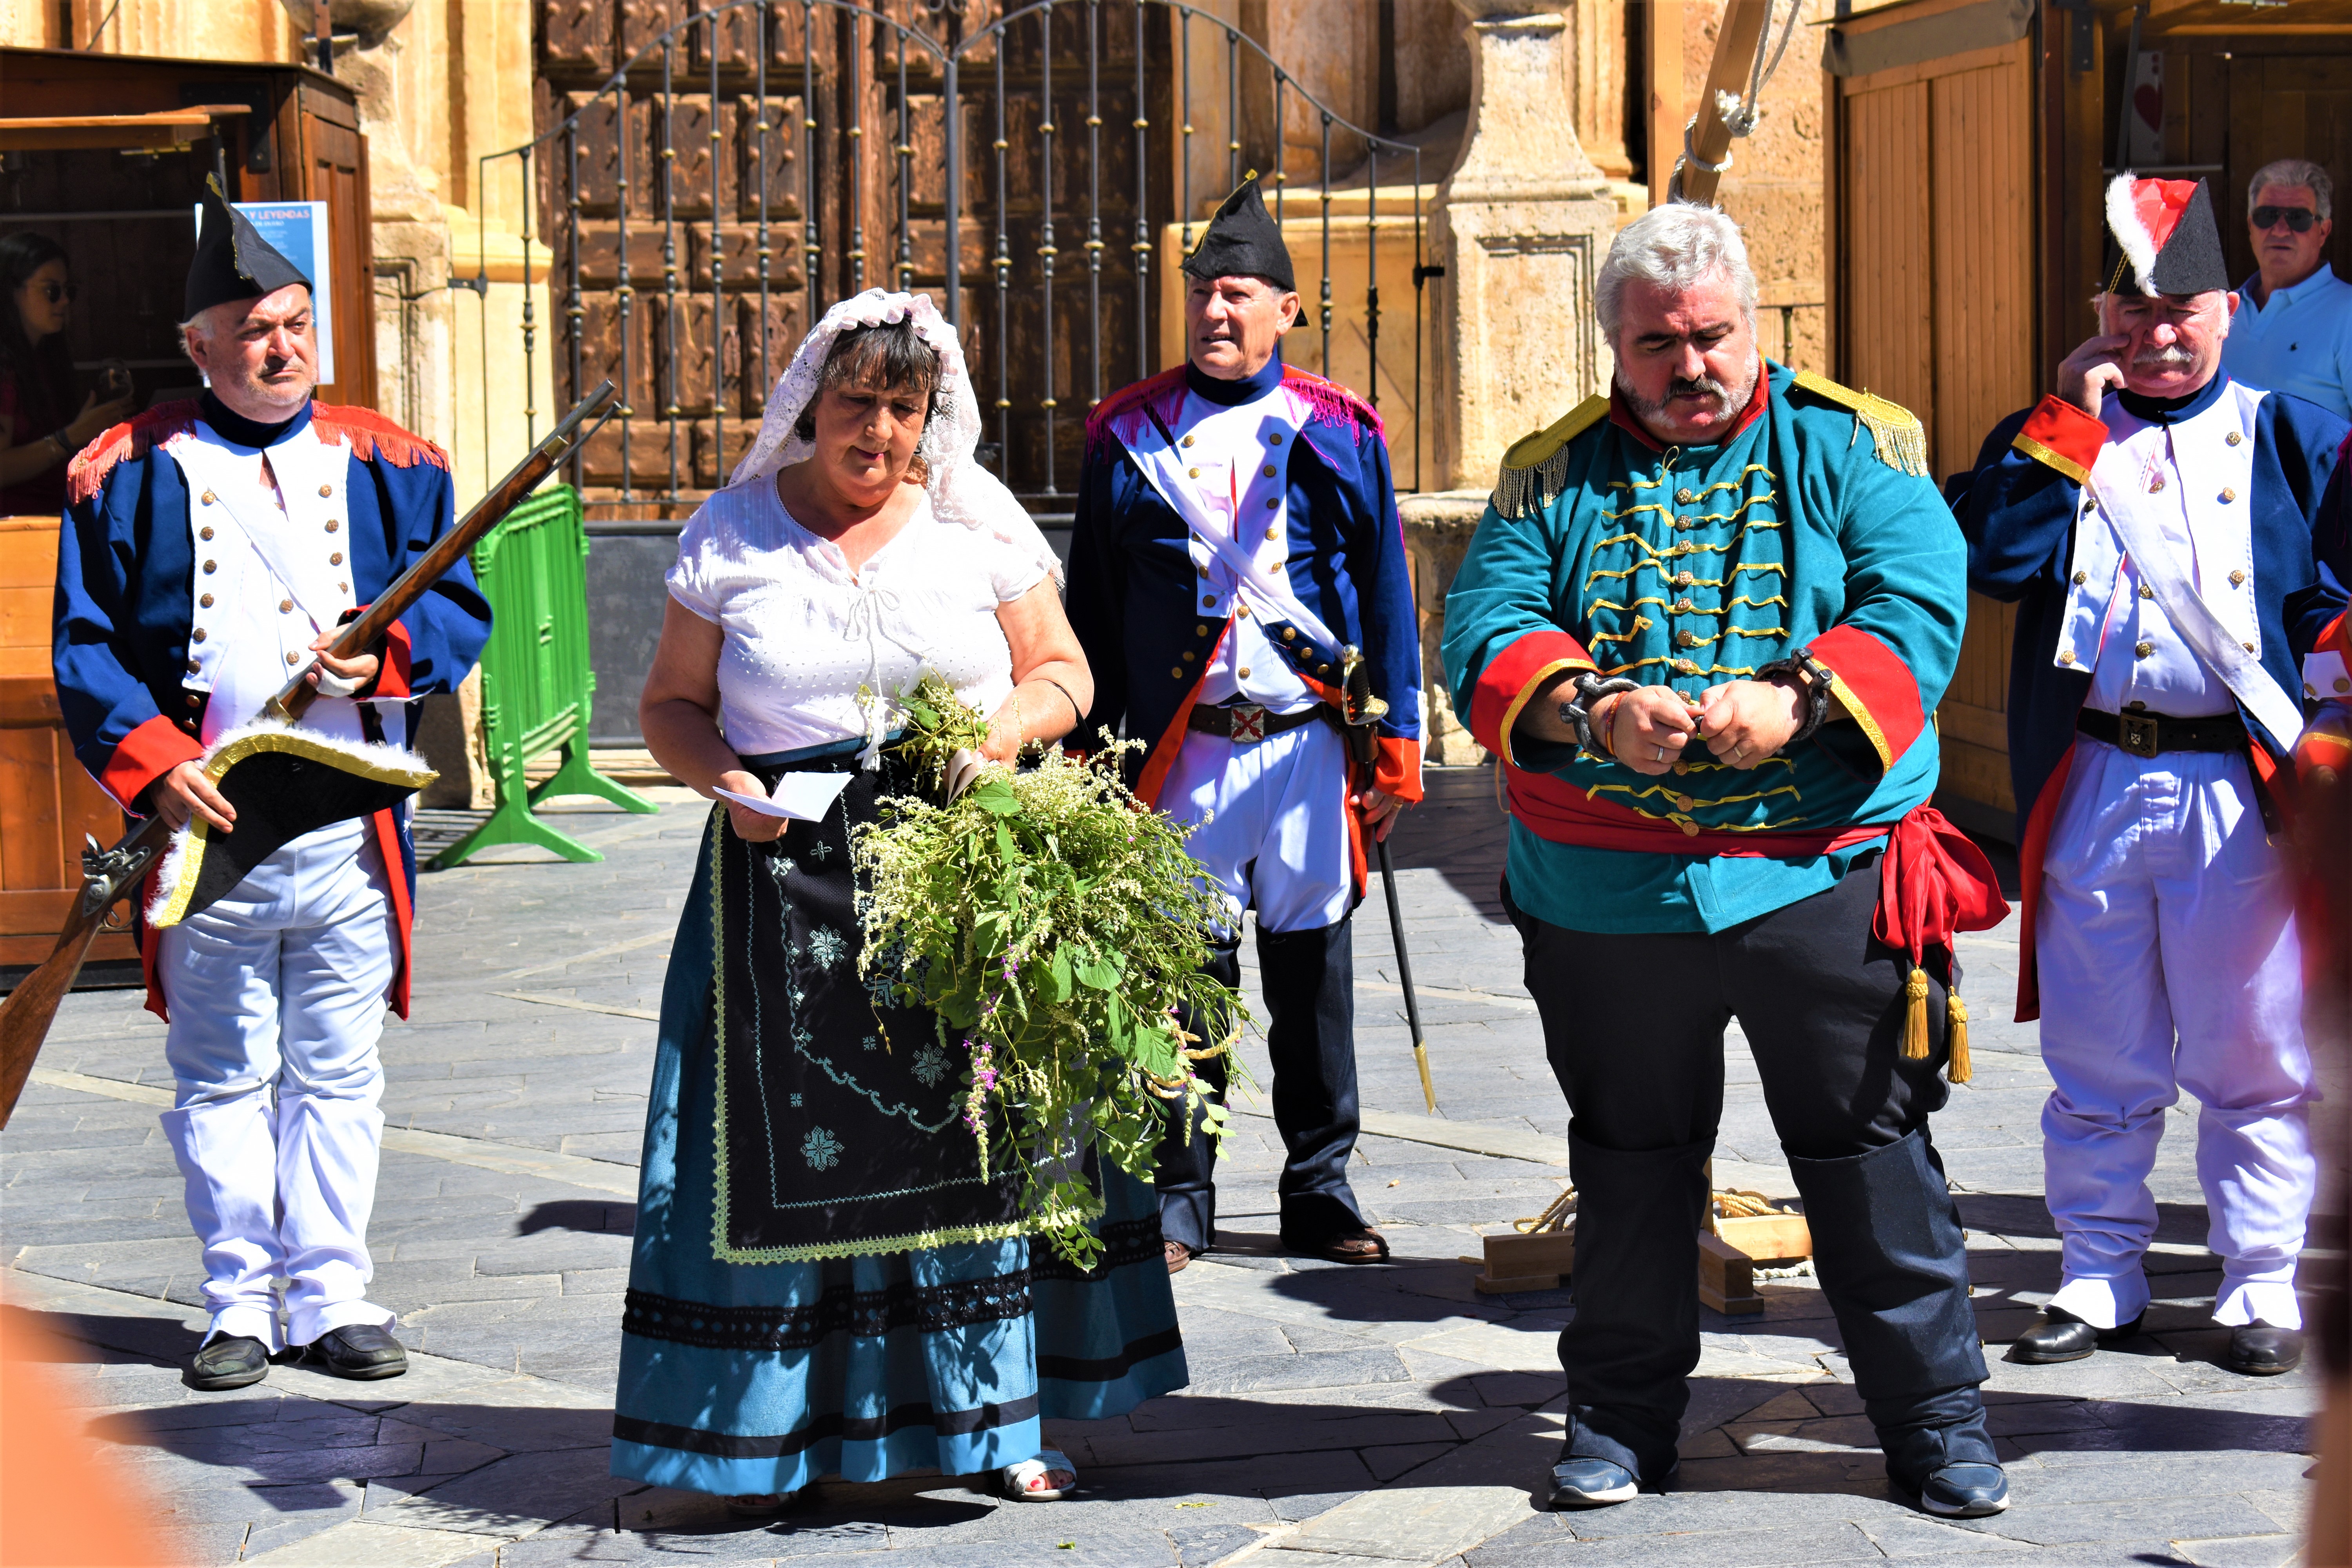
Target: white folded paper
802, 797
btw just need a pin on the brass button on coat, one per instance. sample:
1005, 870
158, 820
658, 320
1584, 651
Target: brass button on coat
293, 658
211, 566
1690, 829
1273, 533
1177, 673
1684, 579
1193, 473
2248, 647
1188, 440
2144, 649
194, 667
1190, 656
1274, 440
1208, 601
1685, 496
2156, 484
2146, 592
204, 603
1271, 504
325, 490
285, 606
208, 497
1290, 633
1269, 470
205, 533
1200, 631
1684, 802
196, 635
336, 559
2237, 579
2081, 578
2233, 438
1243, 672
2066, 656
332, 525
2228, 494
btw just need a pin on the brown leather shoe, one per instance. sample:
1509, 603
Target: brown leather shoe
1177, 1253
1365, 1245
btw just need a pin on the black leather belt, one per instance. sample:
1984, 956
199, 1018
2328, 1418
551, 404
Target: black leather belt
2147, 734
1249, 721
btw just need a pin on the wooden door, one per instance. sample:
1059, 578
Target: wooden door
333, 164
1935, 171
47, 801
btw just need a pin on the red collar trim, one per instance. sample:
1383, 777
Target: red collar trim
1621, 415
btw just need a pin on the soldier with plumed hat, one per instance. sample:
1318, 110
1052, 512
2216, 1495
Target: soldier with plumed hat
211, 547
1238, 579
2153, 521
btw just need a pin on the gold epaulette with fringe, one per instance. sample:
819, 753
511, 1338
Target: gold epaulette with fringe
1534, 470
1901, 439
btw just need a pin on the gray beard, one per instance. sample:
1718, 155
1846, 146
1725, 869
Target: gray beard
1649, 410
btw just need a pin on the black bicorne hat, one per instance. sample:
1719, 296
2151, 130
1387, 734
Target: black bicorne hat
2162, 237
233, 261
1243, 240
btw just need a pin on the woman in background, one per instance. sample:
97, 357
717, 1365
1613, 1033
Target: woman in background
39, 431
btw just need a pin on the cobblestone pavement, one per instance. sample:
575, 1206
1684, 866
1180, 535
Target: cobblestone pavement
1362, 1416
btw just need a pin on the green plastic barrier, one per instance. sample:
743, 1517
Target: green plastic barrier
537, 684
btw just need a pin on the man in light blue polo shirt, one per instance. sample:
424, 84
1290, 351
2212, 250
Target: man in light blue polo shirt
2294, 327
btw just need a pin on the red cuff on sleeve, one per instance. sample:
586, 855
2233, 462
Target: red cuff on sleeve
2063, 437
1511, 679
391, 679
1875, 687
144, 756
2335, 637
1396, 768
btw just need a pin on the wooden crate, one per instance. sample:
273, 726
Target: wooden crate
47, 801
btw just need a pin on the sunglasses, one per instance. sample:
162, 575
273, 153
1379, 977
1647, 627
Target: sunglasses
2299, 219
53, 292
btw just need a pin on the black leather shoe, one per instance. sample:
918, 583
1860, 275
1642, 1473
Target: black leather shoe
1965, 1491
2059, 1335
231, 1361
2259, 1350
361, 1350
1592, 1483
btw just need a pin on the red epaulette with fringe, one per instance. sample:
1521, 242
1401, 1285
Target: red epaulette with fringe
135, 437
370, 436
1332, 401
1128, 399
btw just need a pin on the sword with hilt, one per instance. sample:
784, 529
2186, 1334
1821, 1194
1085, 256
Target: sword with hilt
1359, 710
110, 876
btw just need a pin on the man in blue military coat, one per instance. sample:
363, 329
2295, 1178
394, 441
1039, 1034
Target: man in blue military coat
1238, 579
211, 548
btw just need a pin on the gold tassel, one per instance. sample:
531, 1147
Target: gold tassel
1901, 441
1914, 1023
1956, 1035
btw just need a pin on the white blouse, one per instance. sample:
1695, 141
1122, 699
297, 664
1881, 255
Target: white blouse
804, 632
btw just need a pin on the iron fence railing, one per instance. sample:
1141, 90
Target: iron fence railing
811, 80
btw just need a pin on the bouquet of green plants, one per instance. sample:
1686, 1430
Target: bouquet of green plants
1056, 927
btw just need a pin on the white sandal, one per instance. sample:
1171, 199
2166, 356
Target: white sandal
1018, 1477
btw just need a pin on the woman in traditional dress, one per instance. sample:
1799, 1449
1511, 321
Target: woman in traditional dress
823, 1281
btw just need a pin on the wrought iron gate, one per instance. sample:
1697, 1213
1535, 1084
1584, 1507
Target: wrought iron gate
1039, 167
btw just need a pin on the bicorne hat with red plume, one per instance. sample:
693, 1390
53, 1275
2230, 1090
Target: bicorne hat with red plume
2162, 237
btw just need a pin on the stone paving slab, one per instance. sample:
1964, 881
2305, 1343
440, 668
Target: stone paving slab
1335, 1415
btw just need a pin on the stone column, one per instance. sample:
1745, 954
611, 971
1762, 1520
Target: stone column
1521, 226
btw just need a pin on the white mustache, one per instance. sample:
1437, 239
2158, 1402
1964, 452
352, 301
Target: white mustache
2172, 355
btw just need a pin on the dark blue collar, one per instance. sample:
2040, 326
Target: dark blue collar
237, 430
2173, 410
1232, 394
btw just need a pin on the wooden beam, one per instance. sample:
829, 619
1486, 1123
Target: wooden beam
87, 132
1662, 59
1735, 57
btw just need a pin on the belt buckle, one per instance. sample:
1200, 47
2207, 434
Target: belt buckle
1248, 722
2136, 734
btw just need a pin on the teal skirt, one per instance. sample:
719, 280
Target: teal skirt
762, 1377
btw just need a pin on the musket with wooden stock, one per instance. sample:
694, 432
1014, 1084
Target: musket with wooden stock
110, 876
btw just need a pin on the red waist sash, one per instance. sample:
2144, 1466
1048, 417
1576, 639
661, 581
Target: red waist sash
1934, 883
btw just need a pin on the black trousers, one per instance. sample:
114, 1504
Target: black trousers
1633, 1026
1310, 1040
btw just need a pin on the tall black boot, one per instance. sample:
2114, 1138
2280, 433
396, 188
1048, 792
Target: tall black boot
1310, 1040
1186, 1168
1634, 1339
1893, 1264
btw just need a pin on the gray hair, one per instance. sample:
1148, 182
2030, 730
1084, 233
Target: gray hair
2295, 172
1672, 246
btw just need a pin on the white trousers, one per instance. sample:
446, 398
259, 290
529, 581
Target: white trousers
277, 997
2168, 958
1269, 820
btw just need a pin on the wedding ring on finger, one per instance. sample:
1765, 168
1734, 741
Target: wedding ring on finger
1662, 752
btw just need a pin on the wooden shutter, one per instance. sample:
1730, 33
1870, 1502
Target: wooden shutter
333, 157
1934, 222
